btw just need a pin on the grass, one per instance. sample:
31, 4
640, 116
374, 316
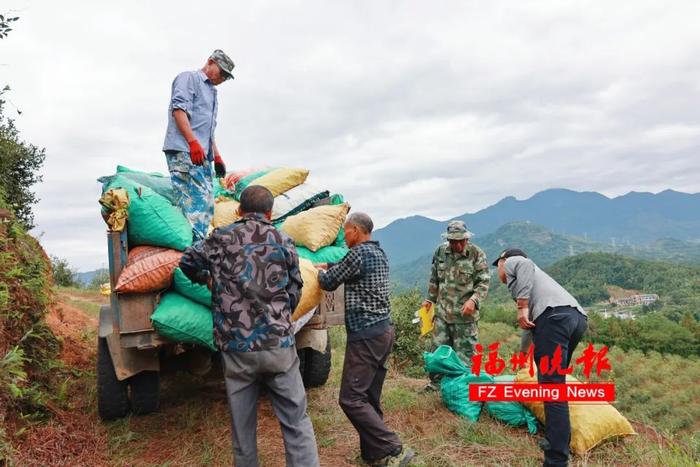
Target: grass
193, 425
86, 300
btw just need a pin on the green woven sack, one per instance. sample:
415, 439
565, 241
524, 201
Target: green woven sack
455, 395
220, 190
337, 198
511, 413
185, 287
454, 385
248, 180
181, 320
340, 239
157, 182
152, 219
327, 254
444, 361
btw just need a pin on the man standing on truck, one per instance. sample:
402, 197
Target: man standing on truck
459, 282
253, 271
190, 147
365, 273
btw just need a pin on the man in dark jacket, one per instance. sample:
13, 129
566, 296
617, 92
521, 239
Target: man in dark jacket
365, 273
253, 270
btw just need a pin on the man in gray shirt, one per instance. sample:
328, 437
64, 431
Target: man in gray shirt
556, 320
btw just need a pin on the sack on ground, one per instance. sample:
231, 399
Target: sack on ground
182, 320
454, 391
454, 385
445, 361
591, 423
148, 269
317, 227
185, 287
511, 413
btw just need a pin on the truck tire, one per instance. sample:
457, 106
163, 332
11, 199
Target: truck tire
145, 392
112, 394
315, 366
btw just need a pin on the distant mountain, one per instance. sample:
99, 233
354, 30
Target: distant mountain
632, 219
546, 248
86, 277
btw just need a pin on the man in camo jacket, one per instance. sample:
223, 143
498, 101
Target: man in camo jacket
459, 282
253, 271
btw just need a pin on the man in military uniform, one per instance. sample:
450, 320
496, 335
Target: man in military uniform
459, 282
189, 144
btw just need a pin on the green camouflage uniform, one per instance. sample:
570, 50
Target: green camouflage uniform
454, 279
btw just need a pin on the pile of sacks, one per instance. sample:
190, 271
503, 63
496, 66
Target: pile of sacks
591, 423
158, 233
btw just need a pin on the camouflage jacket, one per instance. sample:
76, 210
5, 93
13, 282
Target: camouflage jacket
256, 283
455, 278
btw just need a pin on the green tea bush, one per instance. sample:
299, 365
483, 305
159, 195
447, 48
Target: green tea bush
409, 346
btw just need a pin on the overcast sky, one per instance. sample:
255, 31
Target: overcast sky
432, 108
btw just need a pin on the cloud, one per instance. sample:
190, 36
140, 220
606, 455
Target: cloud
406, 108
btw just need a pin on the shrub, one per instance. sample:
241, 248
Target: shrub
409, 346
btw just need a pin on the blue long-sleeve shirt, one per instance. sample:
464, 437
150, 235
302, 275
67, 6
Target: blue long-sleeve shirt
196, 95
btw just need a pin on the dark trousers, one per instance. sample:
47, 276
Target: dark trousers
364, 371
559, 326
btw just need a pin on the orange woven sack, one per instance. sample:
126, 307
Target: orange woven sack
148, 269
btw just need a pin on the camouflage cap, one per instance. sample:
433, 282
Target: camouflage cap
457, 230
223, 61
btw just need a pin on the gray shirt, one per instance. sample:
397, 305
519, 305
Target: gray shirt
525, 280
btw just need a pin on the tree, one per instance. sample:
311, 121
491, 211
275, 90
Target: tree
6, 25
101, 277
63, 275
19, 166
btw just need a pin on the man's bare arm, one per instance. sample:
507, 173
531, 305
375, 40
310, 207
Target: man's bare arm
183, 124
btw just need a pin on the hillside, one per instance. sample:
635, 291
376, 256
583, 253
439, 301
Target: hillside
192, 426
633, 219
588, 275
28, 348
545, 248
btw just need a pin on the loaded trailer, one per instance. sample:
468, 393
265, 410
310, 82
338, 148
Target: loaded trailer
132, 356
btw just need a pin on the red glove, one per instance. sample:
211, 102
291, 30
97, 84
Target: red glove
219, 166
196, 152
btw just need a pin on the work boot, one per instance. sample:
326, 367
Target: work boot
402, 458
399, 457
430, 387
